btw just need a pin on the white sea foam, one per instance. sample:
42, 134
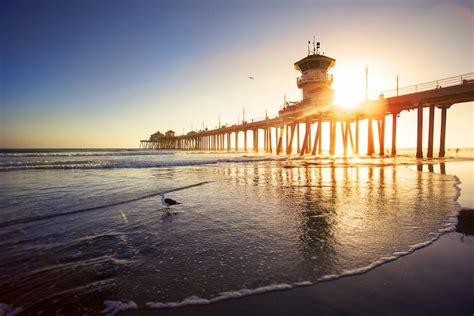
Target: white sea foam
195, 300
114, 307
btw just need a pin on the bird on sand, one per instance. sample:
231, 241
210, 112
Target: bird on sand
168, 202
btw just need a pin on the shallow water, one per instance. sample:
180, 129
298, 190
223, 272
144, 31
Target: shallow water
257, 223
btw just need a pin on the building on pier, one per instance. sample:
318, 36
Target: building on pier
156, 136
315, 84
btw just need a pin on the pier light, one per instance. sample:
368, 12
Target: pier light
315, 81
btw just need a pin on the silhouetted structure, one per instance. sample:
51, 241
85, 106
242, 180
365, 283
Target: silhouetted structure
315, 108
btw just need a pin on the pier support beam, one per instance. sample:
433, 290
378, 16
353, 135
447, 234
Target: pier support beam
317, 138
419, 132
289, 149
357, 136
381, 129
308, 127
331, 123
351, 139
370, 138
320, 142
297, 137
442, 139
345, 134
280, 139
431, 131
265, 137
332, 137
270, 147
245, 140
255, 140
236, 140
394, 134
304, 146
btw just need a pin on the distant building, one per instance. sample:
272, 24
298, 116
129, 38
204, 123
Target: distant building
170, 133
155, 137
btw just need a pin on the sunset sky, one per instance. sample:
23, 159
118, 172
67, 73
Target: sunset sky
109, 73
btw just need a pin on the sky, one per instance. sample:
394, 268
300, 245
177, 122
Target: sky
105, 74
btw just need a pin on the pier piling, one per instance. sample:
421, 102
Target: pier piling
442, 139
394, 134
431, 131
419, 133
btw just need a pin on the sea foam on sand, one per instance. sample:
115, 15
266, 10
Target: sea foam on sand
113, 307
195, 300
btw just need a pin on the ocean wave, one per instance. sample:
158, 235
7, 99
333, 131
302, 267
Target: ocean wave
86, 153
65, 213
115, 164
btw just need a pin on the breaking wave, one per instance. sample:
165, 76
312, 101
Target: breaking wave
111, 164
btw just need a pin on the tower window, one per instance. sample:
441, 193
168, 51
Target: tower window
314, 64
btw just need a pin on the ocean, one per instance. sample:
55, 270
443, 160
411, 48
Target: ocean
83, 231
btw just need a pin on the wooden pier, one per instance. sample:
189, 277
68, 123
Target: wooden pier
292, 129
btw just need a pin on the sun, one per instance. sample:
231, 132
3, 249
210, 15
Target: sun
349, 89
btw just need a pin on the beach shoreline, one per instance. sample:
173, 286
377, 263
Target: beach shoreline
429, 276
435, 279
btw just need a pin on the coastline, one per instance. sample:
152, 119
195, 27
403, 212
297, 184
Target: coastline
436, 279
433, 280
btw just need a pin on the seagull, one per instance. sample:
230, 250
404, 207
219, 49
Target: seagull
168, 202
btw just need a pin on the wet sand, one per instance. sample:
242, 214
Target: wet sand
434, 280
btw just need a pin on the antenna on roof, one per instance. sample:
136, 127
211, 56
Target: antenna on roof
309, 52
314, 48
317, 47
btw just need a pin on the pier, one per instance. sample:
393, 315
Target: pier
292, 129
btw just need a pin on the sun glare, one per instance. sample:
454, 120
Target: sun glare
349, 88
347, 94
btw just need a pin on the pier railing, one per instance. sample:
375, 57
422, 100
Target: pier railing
431, 85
